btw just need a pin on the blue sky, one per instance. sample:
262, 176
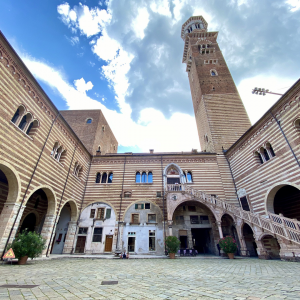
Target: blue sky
124, 57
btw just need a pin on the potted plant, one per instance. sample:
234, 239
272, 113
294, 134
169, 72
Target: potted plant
172, 245
27, 244
228, 245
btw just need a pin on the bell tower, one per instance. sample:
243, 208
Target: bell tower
220, 114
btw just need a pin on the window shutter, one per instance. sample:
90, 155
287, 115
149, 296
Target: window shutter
108, 213
136, 206
142, 206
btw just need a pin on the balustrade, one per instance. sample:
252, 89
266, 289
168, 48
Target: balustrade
276, 224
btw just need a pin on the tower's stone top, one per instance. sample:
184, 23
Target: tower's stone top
193, 23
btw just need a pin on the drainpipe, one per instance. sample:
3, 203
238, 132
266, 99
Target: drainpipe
163, 191
119, 219
77, 223
36, 165
224, 151
281, 130
62, 195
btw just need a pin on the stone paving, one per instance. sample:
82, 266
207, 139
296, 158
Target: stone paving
74, 278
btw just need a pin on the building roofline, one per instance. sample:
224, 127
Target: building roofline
23, 66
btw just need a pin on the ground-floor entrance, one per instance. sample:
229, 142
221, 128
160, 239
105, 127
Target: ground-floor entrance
108, 243
201, 240
131, 244
80, 244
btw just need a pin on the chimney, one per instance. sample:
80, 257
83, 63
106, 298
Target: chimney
151, 151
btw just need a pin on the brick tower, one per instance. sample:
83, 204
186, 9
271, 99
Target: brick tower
220, 114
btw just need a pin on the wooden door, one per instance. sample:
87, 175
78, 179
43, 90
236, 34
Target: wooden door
108, 243
80, 244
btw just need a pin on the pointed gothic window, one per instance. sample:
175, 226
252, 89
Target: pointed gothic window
189, 177
110, 178
150, 177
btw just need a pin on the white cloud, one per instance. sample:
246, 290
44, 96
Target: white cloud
83, 86
140, 23
294, 4
179, 131
88, 21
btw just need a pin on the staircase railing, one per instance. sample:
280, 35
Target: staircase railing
276, 224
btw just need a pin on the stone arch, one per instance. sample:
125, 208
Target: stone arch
249, 224
227, 213
271, 193
137, 201
264, 234
172, 210
51, 198
101, 201
74, 209
14, 182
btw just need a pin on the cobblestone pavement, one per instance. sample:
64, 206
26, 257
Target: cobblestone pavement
250, 279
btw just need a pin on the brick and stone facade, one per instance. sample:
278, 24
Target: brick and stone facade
61, 175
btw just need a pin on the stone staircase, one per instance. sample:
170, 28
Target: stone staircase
286, 228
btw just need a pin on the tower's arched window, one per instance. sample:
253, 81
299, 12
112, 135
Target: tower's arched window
270, 150
23, 123
88, 121
29, 128
189, 177
16, 116
138, 177
266, 155
150, 177
98, 176
110, 178
144, 177
259, 158
99, 149
80, 171
104, 178
213, 73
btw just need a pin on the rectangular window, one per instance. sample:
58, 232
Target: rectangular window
97, 237
147, 205
191, 208
100, 213
92, 214
139, 206
82, 230
204, 220
135, 218
194, 219
108, 213
152, 218
151, 240
183, 207
158, 194
244, 203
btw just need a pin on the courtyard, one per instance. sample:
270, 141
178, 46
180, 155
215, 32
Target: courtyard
76, 278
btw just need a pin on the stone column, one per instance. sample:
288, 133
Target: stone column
261, 251
49, 225
7, 219
220, 229
170, 224
243, 245
70, 237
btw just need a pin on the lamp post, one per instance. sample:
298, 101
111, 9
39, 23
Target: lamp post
262, 91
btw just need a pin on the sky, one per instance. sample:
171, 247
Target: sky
125, 58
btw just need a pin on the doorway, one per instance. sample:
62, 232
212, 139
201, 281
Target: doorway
183, 242
80, 244
201, 240
131, 244
108, 243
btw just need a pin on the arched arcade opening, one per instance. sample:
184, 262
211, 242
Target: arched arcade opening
284, 199
228, 229
195, 226
249, 240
